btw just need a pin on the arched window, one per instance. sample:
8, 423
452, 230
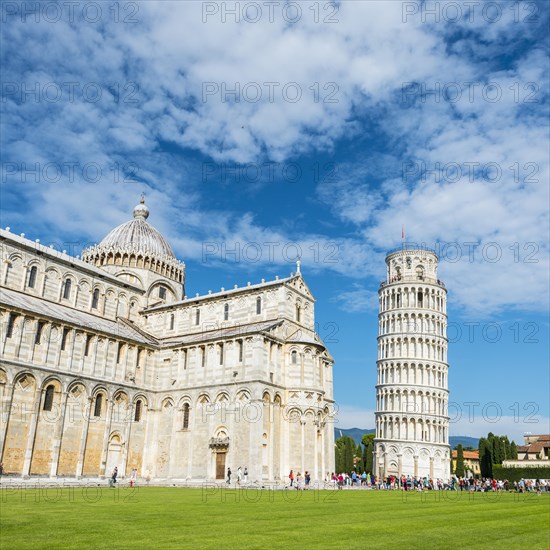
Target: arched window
95, 298
32, 277
172, 321
162, 292
294, 357
87, 345
226, 312
419, 272
118, 353
197, 316
64, 338
258, 305
98, 404
48, 398
240, 343
420, 298
186, 416
39, 329
298, 313
11, 324
67, 289
137, 412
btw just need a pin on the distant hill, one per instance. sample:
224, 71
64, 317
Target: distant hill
357, 433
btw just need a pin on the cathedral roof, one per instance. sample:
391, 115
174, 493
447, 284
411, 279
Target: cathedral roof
138, 235
65, 314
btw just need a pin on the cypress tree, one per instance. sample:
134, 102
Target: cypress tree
359, 466
349, 452
507, 453
368, 442
459, 470
369, 463
513, 450
486, 457
339, 455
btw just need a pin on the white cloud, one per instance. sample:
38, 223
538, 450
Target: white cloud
170, 55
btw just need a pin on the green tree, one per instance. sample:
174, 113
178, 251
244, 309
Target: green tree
344, 453
486, 456
368, 443
459, 470
359, 466
513, 450
507, 452
339, 455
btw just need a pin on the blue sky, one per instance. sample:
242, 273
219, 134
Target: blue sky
321, 131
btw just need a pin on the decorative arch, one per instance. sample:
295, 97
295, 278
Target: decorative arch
203, 399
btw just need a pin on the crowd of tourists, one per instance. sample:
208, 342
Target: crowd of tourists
412, 483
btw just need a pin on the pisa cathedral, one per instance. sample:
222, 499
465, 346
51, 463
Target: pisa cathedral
106, 362
412, 394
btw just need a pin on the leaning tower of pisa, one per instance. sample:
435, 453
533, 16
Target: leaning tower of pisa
411, 393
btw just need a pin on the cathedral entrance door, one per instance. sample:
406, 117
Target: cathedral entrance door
220, 465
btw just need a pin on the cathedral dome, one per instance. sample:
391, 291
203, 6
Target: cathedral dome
136, 244
138, 235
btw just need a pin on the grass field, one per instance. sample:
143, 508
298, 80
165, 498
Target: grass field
149, 517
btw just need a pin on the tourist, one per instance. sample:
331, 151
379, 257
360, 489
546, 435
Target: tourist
239, 475
245, 475
114, 476
228, 476
307, 479
291, 477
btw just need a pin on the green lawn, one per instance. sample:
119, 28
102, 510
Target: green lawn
149, 517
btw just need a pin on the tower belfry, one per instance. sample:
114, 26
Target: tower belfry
412, 394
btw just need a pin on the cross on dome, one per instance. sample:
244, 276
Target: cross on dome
141, 212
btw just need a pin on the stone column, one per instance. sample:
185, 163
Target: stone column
108, 419
127, 432
84, 438
6, 414
399, 465
302, 454
32, 433
190, 444
431, 467
175, 422
255, 440
315, 473
415, 466
270, 439
323, 454
284, 443
58, 435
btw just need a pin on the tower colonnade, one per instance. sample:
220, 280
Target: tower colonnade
412, 394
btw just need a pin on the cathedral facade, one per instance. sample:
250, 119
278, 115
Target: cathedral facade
412, 396
104, 362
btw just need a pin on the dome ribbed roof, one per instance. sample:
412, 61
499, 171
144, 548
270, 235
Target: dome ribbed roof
138, 235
